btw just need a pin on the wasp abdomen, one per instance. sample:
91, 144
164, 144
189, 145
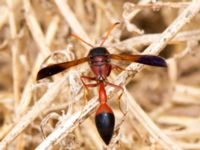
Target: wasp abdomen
105, 122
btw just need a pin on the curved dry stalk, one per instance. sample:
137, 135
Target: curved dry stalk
51, 30
38, 36
67, 125
72, 21
15, 52
148, 124
35, 28
150, 38
186, 95
34, 112
15, 62
129, 15
158, 5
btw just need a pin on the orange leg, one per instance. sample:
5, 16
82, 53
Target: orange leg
88, 85
86, 88
89, 78
116, 86
119, 97
118, 68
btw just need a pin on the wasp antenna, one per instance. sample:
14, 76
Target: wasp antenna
79, 38
108, 33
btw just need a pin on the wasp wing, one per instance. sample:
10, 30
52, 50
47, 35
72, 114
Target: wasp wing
143, 59
56, 68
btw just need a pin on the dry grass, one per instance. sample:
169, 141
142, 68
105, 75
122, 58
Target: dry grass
162, 105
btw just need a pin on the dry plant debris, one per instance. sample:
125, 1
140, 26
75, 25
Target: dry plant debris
162, 105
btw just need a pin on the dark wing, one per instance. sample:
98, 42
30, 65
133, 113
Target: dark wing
56, 68
143, 59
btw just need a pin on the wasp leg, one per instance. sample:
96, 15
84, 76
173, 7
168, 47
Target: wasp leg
118, 68
119, 96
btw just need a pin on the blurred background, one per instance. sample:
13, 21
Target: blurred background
36, 33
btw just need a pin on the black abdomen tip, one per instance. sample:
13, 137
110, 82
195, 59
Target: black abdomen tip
105, 123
